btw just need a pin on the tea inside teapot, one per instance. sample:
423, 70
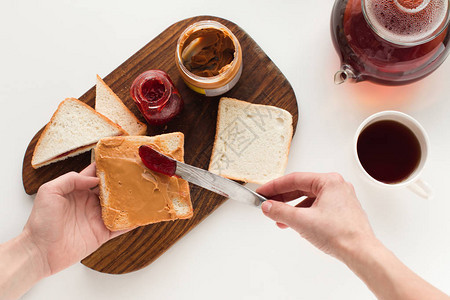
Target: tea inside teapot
390, 42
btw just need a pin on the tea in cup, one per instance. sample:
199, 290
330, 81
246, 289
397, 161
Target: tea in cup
391, 149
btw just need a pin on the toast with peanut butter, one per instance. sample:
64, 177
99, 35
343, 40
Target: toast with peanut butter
132, 195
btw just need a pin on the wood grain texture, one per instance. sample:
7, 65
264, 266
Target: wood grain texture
261, 82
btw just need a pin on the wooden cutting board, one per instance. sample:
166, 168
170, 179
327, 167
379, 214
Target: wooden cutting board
261, 82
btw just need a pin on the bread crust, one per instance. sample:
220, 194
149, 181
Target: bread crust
216, 136
144, 126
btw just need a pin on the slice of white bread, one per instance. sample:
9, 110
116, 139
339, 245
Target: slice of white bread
128, 189
74, 128
252, 141
108, 104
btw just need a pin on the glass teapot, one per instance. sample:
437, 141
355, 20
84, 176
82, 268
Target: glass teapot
391, 42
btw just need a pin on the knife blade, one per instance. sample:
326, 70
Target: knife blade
161, 163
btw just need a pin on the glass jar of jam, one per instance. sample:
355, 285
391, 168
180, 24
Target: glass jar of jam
156, 97
209, 58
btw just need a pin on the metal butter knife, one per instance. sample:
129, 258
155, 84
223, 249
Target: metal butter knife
161, 163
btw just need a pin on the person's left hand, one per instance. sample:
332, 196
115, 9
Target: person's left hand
66, 223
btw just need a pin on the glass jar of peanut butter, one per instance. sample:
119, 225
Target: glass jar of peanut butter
209, 58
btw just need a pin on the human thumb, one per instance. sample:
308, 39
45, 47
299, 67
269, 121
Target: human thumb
72, 181
281, 213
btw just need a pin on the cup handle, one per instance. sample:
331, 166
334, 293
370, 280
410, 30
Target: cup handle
422, 188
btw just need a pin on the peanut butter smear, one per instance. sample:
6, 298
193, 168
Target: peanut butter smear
208, 52
134, 192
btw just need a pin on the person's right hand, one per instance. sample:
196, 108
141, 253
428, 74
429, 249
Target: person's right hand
330, 217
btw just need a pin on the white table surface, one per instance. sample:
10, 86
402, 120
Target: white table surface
51, 50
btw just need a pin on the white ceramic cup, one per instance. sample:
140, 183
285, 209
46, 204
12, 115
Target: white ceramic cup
413, 182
